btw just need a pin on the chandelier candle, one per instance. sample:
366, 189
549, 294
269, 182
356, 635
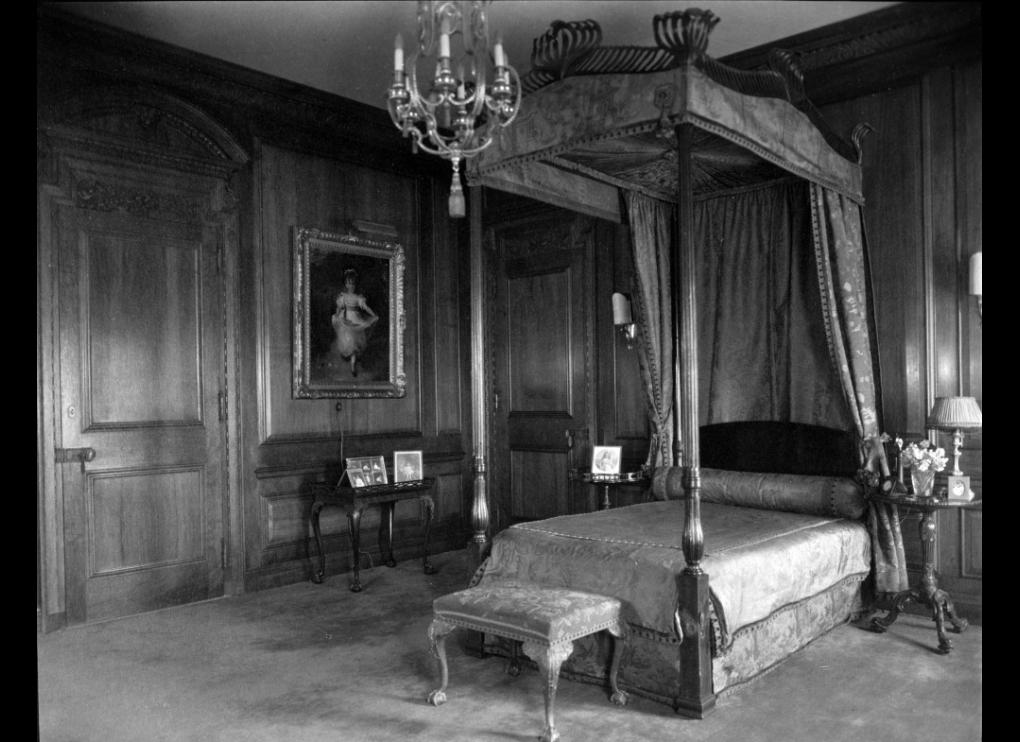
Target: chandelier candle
453, 117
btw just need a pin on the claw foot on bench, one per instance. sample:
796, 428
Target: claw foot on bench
437, 698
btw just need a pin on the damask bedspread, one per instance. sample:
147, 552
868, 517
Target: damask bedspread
758, 561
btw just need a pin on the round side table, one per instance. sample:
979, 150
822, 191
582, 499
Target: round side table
928, 591
607, 481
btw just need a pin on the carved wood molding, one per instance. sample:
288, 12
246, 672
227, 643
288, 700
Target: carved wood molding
90, 193
250, 104
876, 50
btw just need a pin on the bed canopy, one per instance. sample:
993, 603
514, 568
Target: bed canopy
649, 136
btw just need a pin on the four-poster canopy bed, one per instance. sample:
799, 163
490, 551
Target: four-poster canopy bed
707, 165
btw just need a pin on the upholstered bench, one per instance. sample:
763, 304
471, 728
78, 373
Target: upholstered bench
545, 620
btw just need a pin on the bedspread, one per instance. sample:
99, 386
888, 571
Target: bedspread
757, 560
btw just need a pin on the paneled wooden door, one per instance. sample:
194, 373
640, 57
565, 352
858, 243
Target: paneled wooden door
140, 333
543, 365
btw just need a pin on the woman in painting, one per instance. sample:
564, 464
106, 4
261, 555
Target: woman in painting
351, 320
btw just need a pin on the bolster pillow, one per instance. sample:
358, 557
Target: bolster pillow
794, 493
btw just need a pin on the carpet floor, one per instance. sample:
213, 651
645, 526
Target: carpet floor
310, 663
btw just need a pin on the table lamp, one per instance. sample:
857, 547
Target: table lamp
956, 414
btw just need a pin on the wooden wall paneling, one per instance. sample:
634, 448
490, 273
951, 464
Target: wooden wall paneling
894, 226
968, 106
302, 171
945, 292
50, 514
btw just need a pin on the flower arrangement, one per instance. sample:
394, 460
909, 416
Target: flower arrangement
922, 457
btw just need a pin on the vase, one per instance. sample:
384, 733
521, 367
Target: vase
922, 481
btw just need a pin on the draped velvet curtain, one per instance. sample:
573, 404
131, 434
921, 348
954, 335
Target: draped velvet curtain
762, 349
840, 254
651, 240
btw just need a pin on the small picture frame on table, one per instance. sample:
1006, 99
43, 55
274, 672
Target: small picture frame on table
958, 488
605, 460
363, 471
407, 466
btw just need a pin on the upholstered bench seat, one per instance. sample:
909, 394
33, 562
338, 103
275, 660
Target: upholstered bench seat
545, 620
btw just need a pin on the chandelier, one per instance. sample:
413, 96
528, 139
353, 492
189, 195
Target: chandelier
465, 104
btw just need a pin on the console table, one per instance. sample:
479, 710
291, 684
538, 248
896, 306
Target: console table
606, 481
354, 500
928, 591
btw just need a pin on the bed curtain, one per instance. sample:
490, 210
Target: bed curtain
764, 353
651, 223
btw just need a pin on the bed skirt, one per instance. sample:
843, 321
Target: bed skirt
651, 665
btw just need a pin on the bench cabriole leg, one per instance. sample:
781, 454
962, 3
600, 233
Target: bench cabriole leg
549, 657
437, 633
619, 634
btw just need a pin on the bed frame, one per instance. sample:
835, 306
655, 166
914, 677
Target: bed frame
682, 39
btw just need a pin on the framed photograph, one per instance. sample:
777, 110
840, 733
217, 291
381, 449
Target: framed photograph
407, 466
348, 314
605, 460
364, 471
958, 488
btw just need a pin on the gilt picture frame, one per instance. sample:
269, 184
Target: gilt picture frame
348, 316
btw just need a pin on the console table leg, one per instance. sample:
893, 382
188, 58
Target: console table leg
354, 526
959, 624
879, 625
317, 575
430, 508
938, 616
386, 532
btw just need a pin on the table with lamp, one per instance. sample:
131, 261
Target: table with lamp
954, 414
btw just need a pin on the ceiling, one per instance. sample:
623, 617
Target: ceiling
346, 47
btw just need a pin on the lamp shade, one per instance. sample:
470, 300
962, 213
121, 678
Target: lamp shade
954, 413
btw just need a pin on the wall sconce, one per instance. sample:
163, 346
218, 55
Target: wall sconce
622, 318
974, 288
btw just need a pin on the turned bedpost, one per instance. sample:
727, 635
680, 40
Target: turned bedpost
478, 546
685, 310
695, 697
686, 35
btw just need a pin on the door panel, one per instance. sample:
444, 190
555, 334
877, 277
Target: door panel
538, 336
543, 365
141, 305
140, 329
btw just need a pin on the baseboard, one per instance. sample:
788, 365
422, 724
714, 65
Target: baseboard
338, 562
49, 622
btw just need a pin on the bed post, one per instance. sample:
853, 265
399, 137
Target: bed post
478, 546
695, 697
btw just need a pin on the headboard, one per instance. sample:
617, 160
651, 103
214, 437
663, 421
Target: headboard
780, 447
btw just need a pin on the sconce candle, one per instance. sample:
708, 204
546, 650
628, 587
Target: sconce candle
621, 309
975, 274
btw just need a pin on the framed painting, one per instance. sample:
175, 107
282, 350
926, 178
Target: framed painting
348, 314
